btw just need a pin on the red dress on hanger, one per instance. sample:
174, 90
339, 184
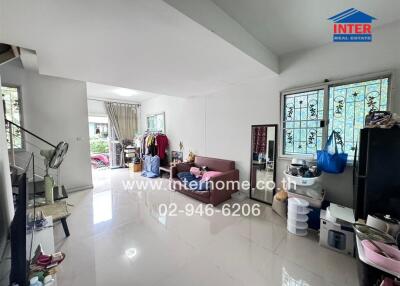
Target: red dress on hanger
162, 144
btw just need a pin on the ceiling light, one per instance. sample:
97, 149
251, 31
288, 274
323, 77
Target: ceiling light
131, 253
125, 92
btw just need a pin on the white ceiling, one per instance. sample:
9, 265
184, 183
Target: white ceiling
148, 45
109, 92
286, 26
138, 44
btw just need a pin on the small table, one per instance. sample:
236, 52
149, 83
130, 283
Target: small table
58, 211
165, 169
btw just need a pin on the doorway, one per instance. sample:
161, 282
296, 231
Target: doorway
99, 142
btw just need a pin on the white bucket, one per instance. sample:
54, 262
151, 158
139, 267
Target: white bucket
301, 181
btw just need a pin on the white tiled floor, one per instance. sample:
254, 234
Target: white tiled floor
183, 250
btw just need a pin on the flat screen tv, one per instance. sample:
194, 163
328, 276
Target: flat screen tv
21, 240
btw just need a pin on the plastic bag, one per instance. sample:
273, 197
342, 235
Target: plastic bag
329, 162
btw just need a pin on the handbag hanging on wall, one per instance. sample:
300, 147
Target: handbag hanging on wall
329, 162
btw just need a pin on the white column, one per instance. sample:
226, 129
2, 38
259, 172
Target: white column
6, 201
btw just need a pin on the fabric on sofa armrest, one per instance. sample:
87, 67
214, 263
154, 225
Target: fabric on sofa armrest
228, 184
173, 172
181, 167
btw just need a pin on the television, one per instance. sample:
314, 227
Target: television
21, 241
14, 263
21, 229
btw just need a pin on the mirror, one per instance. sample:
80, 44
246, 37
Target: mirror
263, 162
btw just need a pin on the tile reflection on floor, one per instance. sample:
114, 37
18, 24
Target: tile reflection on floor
119, 238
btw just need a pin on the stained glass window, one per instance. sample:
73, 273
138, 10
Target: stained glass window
304, 131
12, 107
350, 103
303, 113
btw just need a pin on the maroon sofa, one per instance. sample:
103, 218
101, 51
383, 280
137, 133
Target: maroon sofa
213, 196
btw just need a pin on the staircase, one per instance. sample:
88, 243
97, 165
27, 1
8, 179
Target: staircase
8, 53
28, 159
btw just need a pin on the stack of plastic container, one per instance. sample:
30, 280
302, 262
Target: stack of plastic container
297, 216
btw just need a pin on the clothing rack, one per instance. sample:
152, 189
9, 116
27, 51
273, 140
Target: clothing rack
154, 132
154, 147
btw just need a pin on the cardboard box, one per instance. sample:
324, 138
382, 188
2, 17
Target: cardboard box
337, 236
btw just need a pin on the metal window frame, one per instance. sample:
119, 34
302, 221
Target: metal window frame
153, 115
282, 115
325, 86
21, 112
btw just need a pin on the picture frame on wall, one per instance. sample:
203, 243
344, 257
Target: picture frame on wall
176, 157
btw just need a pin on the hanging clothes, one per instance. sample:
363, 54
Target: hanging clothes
154, 144
162, 144
259, 139
143, 146
151, 145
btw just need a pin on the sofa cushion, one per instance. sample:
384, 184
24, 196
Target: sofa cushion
214, 164
198, 185
202, 196
210, 174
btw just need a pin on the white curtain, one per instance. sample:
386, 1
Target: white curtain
123, 120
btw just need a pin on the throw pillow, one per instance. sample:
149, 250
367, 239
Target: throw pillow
195, 172
186, 177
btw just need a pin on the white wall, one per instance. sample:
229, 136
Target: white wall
219, 124
185, 121
56, 109
96, 108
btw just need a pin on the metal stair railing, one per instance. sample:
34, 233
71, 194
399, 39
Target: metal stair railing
20, 157
20, 161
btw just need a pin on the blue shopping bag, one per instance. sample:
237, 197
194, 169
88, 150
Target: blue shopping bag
332, 162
